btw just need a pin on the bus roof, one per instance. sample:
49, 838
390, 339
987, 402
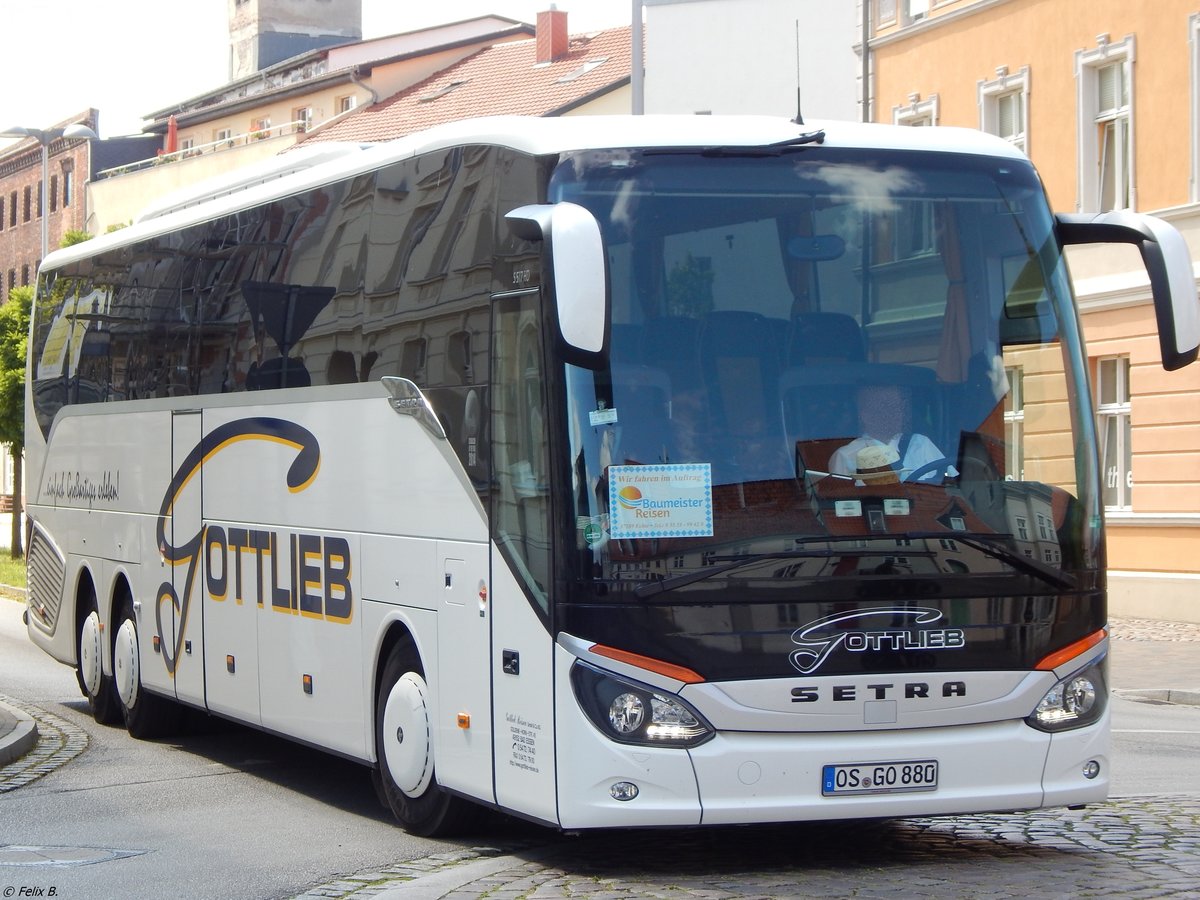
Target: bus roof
295, 172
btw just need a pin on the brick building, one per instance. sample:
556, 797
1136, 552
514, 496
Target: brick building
21, 206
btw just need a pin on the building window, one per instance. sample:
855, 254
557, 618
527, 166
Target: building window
1114, 423
347, 103
302, 119
2, 220
28, 214
1014, 425
1022, 528
1004, 106
260, 128
68, 186
53, 193
222, 134
885, 13
1104, 80
917, 9
918, 112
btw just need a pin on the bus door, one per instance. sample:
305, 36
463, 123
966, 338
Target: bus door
522, 646
187, 575
464, 760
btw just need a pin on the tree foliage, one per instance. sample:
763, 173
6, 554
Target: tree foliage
14, 336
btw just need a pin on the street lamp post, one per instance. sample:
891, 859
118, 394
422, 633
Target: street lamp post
45, 137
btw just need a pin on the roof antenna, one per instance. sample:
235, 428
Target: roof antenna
799, 120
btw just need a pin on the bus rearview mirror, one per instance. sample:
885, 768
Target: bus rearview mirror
1168, 263
576, 272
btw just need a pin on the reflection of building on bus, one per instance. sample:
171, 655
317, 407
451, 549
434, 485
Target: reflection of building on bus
388, 274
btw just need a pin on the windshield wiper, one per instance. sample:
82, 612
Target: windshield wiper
737, 562
989, 544
992, 546
750, 150
809, 137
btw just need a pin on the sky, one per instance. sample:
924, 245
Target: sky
129, 58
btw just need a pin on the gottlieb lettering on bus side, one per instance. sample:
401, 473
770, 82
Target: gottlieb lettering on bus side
298, 573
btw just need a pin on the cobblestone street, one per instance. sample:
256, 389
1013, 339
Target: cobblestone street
1134, 847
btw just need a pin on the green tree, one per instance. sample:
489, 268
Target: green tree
14, 336
74, 236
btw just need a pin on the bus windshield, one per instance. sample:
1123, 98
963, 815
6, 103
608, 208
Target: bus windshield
827, 368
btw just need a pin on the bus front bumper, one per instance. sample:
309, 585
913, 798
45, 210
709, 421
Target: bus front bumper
744, 777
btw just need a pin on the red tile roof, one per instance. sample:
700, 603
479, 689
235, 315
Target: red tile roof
504, 79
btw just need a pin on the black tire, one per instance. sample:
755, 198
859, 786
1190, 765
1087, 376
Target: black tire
425, 809
95, 685
146, 715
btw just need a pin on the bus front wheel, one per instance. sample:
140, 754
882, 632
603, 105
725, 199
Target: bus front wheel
405, 777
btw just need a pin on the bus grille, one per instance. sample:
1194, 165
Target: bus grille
46, 572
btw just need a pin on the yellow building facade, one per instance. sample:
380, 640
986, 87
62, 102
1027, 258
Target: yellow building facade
1104, 96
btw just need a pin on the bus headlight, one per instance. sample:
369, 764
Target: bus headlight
633, 713
1076, 701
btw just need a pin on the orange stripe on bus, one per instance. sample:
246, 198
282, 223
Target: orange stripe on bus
679, 673
1069, 652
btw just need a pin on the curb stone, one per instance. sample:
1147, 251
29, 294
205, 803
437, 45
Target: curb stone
58, 742
20, 738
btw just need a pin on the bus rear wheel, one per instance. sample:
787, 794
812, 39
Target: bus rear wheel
146, 715
404, 775
96, 686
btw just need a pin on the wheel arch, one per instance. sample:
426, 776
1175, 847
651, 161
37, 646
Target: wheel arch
397, 632
84, 596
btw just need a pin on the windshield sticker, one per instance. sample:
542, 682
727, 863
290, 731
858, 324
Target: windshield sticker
660, 501
602, 416
593, 528
896, 507
847, 508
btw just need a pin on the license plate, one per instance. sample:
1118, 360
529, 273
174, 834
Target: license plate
879, 777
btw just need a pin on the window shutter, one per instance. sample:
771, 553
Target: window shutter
1006, 109
1112, 88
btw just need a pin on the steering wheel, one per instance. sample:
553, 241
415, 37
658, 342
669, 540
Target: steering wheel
937, 465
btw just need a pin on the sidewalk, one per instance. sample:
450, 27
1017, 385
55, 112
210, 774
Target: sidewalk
18, 734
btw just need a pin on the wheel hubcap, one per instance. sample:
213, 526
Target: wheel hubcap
125, 664
406, 750
89, 653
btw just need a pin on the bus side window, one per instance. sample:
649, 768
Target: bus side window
521, 501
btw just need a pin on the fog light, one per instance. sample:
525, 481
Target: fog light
624, 790
1091, 769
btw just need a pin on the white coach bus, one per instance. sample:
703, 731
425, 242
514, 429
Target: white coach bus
526, 462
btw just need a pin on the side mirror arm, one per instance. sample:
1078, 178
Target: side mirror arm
1168, 263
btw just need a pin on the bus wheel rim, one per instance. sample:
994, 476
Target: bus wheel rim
125, 664
89, 653
407, 748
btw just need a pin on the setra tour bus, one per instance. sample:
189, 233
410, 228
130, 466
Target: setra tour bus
609, 472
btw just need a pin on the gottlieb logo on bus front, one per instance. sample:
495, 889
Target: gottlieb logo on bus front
660, 501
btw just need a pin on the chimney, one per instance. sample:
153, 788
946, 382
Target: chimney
552, 41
